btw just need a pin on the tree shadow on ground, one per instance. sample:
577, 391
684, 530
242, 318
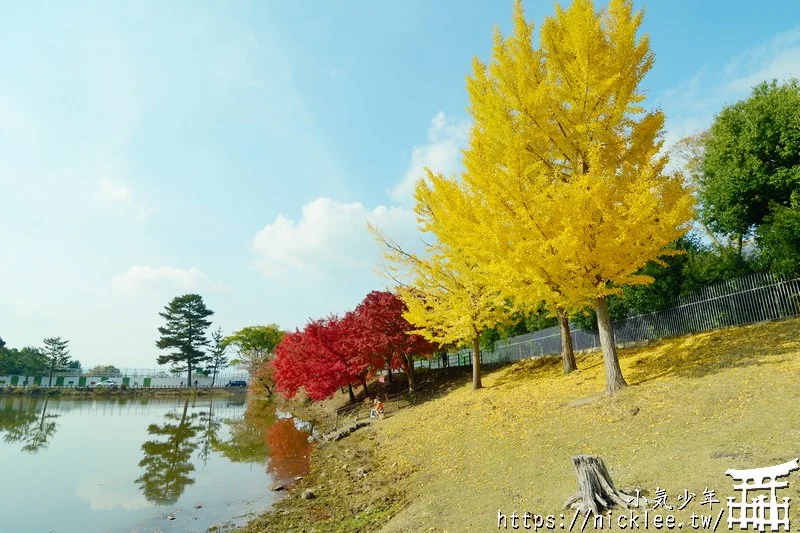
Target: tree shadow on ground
547, 366
430, 385
702, 354
690, 356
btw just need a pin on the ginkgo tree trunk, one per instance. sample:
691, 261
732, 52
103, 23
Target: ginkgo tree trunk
567, 354
568, 161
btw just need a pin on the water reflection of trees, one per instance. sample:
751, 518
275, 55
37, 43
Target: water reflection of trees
254, 438
289, 450
167, 463
210, 426
247, 442
34, 429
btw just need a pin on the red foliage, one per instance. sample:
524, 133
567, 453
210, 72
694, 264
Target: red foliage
320, 359
289, 451
337, 351
387, 333
289, 363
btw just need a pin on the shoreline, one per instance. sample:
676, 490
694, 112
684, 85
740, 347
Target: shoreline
53, 392
350, 486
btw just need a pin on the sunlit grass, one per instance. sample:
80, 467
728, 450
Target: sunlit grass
697, 406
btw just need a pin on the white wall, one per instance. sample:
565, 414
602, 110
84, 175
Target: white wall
137, 381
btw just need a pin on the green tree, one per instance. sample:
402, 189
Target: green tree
184, 333
210, 425
218, 358
167, 463
779, 238
751, 167
56, 352
247, 436
7, 361
24, 424
520, 324
30, 361
104, 371
254, 345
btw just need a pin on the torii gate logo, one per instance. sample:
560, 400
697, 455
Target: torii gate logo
758, 511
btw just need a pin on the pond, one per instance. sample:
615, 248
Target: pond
143, 465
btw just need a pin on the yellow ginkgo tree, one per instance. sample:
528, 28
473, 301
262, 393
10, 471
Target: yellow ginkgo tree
470, 232
451, 296
564, 156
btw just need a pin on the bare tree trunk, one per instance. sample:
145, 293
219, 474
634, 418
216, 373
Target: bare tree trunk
189, 366
597, 491
739, 246
389, 368
366, 389
412, 379
185, 409
614, 379
567, 355
713, 238
476, 362
350, 390
44, 410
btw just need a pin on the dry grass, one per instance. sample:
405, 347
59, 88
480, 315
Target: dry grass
696, 406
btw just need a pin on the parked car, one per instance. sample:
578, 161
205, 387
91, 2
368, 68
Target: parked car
107, 384
238, 383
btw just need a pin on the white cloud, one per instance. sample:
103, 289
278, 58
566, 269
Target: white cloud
330, 236
690, 106
777, 58
105, 498
144, 276
446, 138
109, 192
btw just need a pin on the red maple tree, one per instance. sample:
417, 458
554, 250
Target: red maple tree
289, 363
385, 332
336, 351
320, 359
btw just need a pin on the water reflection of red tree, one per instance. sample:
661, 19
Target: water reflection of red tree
289, 451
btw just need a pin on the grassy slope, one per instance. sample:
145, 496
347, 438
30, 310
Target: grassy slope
696, 406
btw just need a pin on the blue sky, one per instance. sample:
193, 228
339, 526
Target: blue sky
237, 149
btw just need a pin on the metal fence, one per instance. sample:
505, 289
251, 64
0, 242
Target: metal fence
753, 298
226, 373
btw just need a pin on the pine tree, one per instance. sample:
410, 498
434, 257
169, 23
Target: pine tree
184, 333
57, 355
218, 359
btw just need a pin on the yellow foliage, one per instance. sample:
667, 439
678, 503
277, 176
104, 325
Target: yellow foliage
448, 294
566, 161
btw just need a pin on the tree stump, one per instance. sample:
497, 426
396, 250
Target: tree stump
597, 491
